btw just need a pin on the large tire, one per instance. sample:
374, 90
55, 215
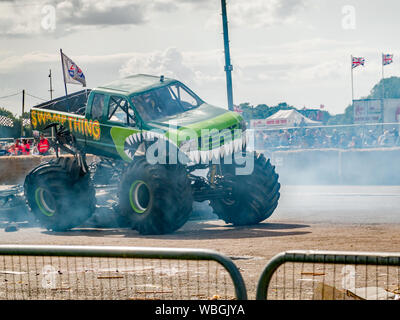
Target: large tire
60, 195
155, 199
252, 198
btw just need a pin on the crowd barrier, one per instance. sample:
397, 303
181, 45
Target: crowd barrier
337, 166
330, 275
117, 273
31, 272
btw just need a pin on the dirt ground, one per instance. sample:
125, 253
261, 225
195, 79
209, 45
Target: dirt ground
250, 247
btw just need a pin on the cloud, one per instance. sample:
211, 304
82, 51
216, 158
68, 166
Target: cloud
28, 18
101, 12
260, 13
173, 63
22, 18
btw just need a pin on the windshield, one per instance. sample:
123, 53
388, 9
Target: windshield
165, 101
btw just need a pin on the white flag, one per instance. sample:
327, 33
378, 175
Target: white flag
72, 73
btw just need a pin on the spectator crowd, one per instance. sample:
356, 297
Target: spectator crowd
308, 137
294, 138
22, 147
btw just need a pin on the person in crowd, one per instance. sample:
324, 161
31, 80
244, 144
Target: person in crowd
284, 138
26, 147
395, 134
309, 139
295, 139
369, 138
43, 145
16, 149
335, 138
386, 139
3, 150
355, 142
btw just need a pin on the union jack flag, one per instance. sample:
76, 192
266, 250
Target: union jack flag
387, 59
357, 62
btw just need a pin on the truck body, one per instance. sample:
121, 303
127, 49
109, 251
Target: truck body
109, 120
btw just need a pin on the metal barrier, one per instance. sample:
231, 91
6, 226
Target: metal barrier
103, 272
314, 275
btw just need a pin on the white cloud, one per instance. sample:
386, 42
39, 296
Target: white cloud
101, 12
190, 67
24, 18
260, 13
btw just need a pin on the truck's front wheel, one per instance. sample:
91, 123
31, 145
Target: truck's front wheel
155, 199
59, 194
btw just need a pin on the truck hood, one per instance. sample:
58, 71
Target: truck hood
203, 117
183, 129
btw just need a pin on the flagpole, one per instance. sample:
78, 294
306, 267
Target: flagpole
352, 85
51, 86
65, 83
63, 72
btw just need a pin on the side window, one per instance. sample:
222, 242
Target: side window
97, 106
119, 111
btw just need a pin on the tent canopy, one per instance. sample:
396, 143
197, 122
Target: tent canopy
283, 118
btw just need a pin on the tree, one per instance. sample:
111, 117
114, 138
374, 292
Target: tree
391, 86
4, 112
342, 118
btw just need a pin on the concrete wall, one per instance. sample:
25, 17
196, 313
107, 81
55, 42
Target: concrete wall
337, 166
312, 167
13, 169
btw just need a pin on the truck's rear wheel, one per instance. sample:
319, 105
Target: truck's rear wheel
155, 199
251, 198
59, 194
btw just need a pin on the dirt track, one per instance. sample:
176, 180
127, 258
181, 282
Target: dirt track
251, 247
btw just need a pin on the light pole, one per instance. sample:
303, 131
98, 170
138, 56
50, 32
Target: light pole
228, 66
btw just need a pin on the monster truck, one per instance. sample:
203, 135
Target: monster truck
154, 134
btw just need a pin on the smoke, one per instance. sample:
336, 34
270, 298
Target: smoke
341, 156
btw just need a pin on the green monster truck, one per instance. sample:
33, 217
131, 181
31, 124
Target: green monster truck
153, 134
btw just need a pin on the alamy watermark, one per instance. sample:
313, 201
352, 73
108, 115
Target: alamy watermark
349, 17
48, 21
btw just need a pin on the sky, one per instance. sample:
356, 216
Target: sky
293, 51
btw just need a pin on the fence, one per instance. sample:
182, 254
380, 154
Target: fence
85, 272
136, 273
330, 275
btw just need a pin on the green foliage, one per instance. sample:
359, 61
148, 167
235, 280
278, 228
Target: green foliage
261, 111
4, 112
391, 86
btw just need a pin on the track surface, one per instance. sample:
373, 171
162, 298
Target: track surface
315, 218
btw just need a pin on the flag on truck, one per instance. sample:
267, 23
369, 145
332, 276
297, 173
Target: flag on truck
387, 59
357, 62
72, 73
